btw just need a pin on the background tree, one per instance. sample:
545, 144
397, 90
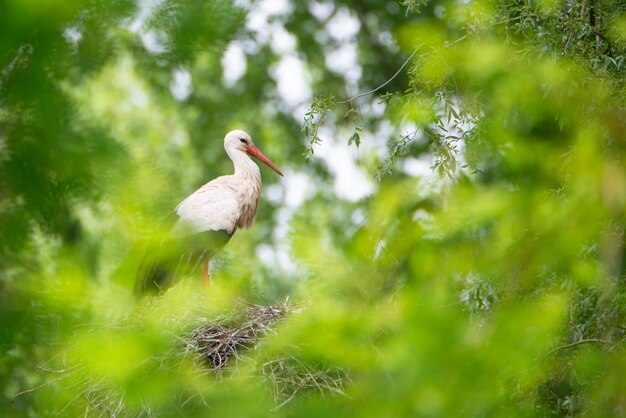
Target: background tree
493, 287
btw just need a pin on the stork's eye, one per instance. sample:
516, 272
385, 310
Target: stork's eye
243, 140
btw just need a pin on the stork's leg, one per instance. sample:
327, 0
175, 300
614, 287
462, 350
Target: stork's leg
206, 280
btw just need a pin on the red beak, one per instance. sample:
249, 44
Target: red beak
255, 152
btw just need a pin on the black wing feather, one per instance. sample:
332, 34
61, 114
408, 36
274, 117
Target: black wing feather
174, 257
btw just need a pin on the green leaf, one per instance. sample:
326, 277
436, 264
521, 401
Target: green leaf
355, 138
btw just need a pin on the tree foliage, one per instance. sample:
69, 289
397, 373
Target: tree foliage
492, 285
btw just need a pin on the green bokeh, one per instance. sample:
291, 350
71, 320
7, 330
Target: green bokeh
493, 289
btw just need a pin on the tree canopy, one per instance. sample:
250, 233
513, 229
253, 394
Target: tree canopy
448, 239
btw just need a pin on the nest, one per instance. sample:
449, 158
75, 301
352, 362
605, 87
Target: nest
291, 376
225, 338
215, 344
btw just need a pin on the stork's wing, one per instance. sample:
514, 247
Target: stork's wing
201, 225
213, 207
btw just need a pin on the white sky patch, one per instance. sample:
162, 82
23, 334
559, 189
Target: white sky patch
266, 254
244, 4
299, 187
137, 96
281, 41
144, 11
290, 73
344, 61
282, 254
72, 35
155, 42
422, 216
274, 7
321, 10
274, 193
292, 80
351, 182
272, 257
257, 23
234, 64
357, 217
377, 142
281, 228
387, 39
285, 261
343, 26
376, 107
299, 112
418, 167
258, 20
181, 86
343, 58
293, 190
250, 47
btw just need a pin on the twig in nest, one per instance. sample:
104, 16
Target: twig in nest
290, 376
217, 343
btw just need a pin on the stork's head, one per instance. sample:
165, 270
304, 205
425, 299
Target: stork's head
241, 141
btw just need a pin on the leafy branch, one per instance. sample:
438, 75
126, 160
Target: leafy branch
354, 116
313, 119
320, 107
413, 6
398, 149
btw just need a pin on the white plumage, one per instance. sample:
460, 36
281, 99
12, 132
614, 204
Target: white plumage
206, 219
213, 207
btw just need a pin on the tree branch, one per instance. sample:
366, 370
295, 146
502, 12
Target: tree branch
367, 93
39, 387
580, 342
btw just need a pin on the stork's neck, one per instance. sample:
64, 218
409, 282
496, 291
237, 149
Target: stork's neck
247, 186
244, 166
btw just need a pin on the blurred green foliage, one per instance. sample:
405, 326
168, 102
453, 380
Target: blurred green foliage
495, 288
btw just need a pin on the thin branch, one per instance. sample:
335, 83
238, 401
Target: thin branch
286, 401
39, 387
499, 23
572, 323
580, 342
569, 40
367, 93
456, 41
73, 399
583, 9
69, 369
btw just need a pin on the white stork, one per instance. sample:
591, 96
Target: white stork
204, 222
